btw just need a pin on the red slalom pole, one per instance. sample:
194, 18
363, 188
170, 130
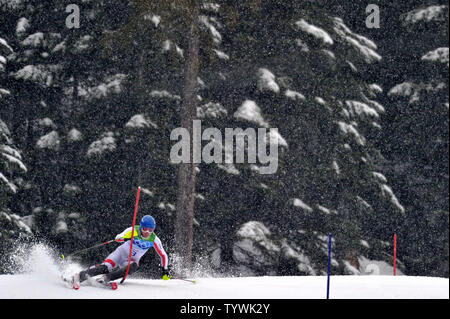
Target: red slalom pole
132, 234
395, 254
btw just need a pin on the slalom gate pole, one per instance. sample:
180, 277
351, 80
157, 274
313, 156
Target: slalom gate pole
329, 266
395, 254
132, 234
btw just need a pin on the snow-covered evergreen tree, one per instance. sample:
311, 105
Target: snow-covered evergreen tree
12, 169
305, 76
417, 141
89, 113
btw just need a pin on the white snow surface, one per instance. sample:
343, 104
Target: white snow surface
35, 286
39, 278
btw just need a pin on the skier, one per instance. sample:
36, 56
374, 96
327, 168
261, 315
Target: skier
115, 265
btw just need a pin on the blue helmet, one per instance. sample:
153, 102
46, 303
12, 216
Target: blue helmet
148, 221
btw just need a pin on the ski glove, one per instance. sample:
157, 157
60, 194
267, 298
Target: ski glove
165, 273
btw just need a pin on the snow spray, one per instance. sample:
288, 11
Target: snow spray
201, 267
39, 260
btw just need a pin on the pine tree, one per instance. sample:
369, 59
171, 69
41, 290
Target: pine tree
61, 87
12, 169
305, 72
90, 112
10, 156
417, 139
413, 39
174, 29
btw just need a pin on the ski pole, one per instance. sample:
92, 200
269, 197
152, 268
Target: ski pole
189, 280
85, 249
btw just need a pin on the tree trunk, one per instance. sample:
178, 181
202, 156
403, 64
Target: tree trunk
186, 171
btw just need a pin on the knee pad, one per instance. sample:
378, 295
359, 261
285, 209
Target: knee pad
110, 264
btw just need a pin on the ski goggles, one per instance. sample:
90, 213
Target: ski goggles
147, 230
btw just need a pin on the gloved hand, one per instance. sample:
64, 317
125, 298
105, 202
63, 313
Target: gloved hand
165, 273
119, 238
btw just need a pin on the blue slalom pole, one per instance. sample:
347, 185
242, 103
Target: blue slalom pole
329, 266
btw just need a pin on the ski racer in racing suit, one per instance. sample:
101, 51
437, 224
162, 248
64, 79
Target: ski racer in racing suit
115, 265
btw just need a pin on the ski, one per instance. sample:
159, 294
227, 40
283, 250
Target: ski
76, 285
108, 284
72, 282
76, 282
100, 282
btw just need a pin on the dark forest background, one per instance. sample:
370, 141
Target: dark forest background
362, 114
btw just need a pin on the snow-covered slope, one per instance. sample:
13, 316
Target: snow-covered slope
39, 277
310, 287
